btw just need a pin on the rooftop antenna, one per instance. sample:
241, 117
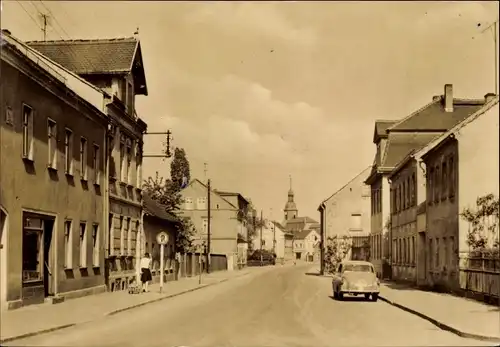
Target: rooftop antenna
493, 27
45, 22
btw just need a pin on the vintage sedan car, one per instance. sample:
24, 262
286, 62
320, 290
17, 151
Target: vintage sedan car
355, 278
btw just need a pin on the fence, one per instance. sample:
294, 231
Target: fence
481, 274
189, 264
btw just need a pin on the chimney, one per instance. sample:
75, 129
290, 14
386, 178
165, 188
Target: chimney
436, 98
488, 97
448, 98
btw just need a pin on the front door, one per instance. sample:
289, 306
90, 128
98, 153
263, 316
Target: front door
48, 261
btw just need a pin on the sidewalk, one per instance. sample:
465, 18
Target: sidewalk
464, 317
20, 323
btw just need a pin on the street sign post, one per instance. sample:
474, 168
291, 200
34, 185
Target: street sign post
162, 239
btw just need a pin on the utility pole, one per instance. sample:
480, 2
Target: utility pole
261, 258
208, 227
274, 233
494, 27
45, 22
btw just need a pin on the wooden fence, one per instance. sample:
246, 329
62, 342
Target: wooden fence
189, 264
481, 275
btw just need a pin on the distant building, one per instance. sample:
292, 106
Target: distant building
394, 141
305, 245
226, 226
52, 140
273, 238
346, 213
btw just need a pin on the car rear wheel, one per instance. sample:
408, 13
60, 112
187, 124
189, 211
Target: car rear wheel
375, 297
367, 296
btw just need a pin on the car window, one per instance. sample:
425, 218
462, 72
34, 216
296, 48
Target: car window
358, 268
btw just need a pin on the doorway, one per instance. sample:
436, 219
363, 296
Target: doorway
3, 257
48, 274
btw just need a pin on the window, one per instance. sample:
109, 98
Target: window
437, 183
83, 245
118, 236
83, 158
451, 251
204, 227
123, 228
129, 236
28, 132
123, 159
202, 203
129, 162
130, 99
430, 186
263, 243
95, 246
96, 164
356, 221
408, 192
452, 177
437, 253
414, 250
403, 200
138, 165
68, 245
392, 200
188, 202
413, 190
111, 226
445, 251
444, 180
52, 144
68, 152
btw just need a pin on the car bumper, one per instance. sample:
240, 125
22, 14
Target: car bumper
365, 290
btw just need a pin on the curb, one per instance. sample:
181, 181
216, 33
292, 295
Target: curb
49, 330
442, 325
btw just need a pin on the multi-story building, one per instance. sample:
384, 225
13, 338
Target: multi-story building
395, 140
305, 245
225, 218
346, 213
461, 166
115, 66
53, 140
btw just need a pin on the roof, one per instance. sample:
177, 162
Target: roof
433, 117
221, 193
398, 147
439, 139
345, 185
277, 224
303, 234
83, 89
381, 127
99, 56
155, 209
195, 180
301, 220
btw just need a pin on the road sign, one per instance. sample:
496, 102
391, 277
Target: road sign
162, 238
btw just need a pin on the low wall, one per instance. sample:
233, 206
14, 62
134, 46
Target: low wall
480, 275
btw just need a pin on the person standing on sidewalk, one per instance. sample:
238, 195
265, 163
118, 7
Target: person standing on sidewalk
145, 271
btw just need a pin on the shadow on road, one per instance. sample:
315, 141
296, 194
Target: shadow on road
351, 299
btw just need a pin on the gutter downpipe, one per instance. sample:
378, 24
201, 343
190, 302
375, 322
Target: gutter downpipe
106, 207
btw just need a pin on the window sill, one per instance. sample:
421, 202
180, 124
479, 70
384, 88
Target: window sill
84, 180
69, 174
83, 267
97, 184
28, 160
96, 266
123, 184
112, 179
51, 168
68, 268
131, 186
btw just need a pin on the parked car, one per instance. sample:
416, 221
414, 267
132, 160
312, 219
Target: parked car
355, 277
267, 257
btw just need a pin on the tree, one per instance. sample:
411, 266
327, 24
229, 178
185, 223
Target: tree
483, 220
336, 250
167, 193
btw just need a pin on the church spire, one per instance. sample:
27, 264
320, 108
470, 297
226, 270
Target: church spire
291, 211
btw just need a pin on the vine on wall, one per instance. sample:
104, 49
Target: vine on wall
483, 223
336, 250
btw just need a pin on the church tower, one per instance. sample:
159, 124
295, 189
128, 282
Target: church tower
291, 211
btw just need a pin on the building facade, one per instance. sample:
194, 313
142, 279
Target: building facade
156, 220
116, 67
460, 169
305, 245
53, 136
225, 225
395, 140
347, 213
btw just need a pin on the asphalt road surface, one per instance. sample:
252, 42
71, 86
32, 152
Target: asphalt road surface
283, 306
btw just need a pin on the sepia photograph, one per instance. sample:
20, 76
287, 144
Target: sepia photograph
249, 173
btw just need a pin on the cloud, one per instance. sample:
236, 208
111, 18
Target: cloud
240, 18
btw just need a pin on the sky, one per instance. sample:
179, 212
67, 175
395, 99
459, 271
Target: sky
260, 91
